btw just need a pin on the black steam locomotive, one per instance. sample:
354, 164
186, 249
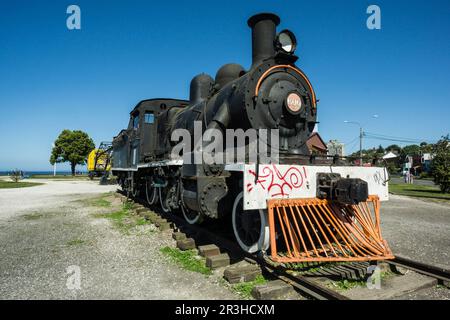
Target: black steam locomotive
273, 94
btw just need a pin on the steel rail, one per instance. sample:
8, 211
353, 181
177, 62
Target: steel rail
303, 284
422, 268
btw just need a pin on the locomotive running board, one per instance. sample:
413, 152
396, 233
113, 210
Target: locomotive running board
315, 230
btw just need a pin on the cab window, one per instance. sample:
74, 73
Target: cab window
136, 122
149, 117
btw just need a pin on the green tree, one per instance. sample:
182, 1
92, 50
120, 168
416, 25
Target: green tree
426, 148
411, 150
440, 165
380, 150
72, 146
394, 148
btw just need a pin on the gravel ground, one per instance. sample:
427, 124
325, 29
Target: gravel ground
39, 240
46, 229
417, 229
51, 195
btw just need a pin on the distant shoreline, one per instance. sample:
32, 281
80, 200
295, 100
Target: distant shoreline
35, 173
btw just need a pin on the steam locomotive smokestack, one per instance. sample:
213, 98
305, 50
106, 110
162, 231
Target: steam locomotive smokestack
263, 35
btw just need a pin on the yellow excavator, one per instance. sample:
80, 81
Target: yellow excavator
99, 161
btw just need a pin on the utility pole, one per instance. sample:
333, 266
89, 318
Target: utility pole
361, 133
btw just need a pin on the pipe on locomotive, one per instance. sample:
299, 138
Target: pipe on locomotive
263, 27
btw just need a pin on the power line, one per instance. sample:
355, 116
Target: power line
353, 145
353, 140
393, 140
378, 136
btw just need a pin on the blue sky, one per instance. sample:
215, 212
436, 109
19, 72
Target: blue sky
52, 78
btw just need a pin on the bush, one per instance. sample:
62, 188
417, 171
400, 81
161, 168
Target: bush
440, 165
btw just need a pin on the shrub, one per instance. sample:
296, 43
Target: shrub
440, 165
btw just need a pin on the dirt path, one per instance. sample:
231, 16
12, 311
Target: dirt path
55, 230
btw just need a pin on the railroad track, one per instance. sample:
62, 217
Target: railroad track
441, 274
302, 284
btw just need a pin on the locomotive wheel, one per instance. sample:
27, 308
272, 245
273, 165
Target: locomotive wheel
192, 217
151, 195
251, 227
163, 200
134, 191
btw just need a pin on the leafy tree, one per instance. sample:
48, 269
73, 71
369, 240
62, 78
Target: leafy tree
426, 148
72, 146
440, 165
394, 148
16, 175
380, 150
411, 150
392, 166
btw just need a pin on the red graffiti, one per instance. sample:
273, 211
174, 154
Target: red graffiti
277, 183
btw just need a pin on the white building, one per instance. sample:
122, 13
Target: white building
335, 148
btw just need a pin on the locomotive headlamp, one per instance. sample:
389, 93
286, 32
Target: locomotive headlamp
286, 41
293, 103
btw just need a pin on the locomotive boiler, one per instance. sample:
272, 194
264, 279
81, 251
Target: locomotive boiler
303, 206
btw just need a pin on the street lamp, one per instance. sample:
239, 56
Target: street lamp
361, 133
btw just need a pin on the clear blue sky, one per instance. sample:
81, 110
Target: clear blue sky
52, 78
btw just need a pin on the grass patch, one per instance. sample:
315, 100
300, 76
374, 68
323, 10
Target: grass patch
21, 184
419, 191
141, 222
97, 202
186, 259
127, 205
244, 289
100, 202
122, 219
304, 267
118, 219
33, 216
75, 242
346, 284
